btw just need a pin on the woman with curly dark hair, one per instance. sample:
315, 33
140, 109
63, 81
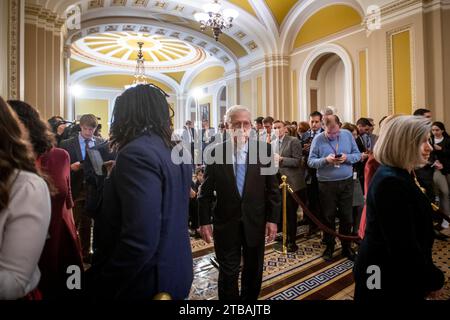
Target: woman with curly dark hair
62, 247
24, 210
141, 236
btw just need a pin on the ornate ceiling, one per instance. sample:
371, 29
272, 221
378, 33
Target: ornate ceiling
120, 49
107, 30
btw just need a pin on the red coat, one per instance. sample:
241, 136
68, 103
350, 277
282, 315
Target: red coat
62, 248
369, 171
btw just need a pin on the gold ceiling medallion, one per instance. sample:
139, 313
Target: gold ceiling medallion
215, 18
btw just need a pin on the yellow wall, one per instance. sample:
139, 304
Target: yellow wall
76, 65
244, 4
207, 75
280, 8
325, 22
246, 94
401, 61
118, 81
97, 107
177, 76
363, 82
259, 97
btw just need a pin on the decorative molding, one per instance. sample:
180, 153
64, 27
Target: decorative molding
252, 45
43, 18
390, 66
14, 49
197, 39
309, 62
140, 3
396, 6
95, 4
118, 3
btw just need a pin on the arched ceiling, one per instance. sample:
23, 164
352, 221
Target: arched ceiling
263, 28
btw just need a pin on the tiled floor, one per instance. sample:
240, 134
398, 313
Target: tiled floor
300, 276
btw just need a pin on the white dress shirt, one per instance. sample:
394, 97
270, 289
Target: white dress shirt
23, 231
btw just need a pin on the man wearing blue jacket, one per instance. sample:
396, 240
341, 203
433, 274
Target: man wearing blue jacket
333, 152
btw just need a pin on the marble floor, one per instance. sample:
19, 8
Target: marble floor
303, 275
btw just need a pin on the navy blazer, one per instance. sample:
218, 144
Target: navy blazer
72, 146
141, 242
398, 239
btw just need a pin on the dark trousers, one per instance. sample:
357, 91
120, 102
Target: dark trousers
313, 202
336, 199
357, 211
291, 215
229, 259
193, 214
83, 224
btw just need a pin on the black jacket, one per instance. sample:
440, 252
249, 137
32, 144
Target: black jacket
259, 204
72, 146
398, 239
442, 155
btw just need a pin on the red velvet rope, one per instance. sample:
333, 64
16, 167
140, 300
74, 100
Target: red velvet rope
319, 224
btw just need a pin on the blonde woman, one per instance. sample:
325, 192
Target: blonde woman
395, 257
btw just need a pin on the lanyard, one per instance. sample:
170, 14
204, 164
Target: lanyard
337, 145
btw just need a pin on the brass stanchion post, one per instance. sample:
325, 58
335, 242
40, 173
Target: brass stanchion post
284, 187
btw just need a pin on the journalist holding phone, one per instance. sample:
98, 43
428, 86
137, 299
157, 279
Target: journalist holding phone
333, 152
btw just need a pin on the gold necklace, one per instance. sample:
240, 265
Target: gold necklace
424, 191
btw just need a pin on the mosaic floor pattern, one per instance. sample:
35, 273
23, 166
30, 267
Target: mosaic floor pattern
303, 275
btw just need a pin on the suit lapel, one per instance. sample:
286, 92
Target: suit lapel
283, 144
77, 148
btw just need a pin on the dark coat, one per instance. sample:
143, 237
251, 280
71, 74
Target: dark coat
62, 247
72, 146
398, 239
141, 236
442, 155
291, 166
259, 204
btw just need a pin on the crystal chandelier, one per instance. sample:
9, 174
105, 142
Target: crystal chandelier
215, 18
139, 74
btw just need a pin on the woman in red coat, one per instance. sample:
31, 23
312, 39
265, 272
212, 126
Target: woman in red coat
62, 248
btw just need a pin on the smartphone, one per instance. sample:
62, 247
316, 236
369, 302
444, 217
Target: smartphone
338, 155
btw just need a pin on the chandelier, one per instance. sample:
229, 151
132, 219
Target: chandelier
139, 74
215, 18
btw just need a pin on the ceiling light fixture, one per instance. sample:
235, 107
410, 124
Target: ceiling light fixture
139, 74
216, 18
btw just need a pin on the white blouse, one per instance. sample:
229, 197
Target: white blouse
23, 231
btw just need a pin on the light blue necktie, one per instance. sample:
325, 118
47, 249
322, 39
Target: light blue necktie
240, 174
368, 144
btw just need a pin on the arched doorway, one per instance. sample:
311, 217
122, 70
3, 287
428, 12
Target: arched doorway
326, 84
326, 79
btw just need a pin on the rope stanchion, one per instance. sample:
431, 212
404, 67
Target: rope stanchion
317, 222
283, 248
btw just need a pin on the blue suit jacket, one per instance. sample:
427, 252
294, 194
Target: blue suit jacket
141, 236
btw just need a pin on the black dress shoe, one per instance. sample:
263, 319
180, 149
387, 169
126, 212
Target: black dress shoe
292, 247
440, 236
328, 253
348, 253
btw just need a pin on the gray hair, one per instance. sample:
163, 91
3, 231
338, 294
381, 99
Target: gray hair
400, 141
234, 110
